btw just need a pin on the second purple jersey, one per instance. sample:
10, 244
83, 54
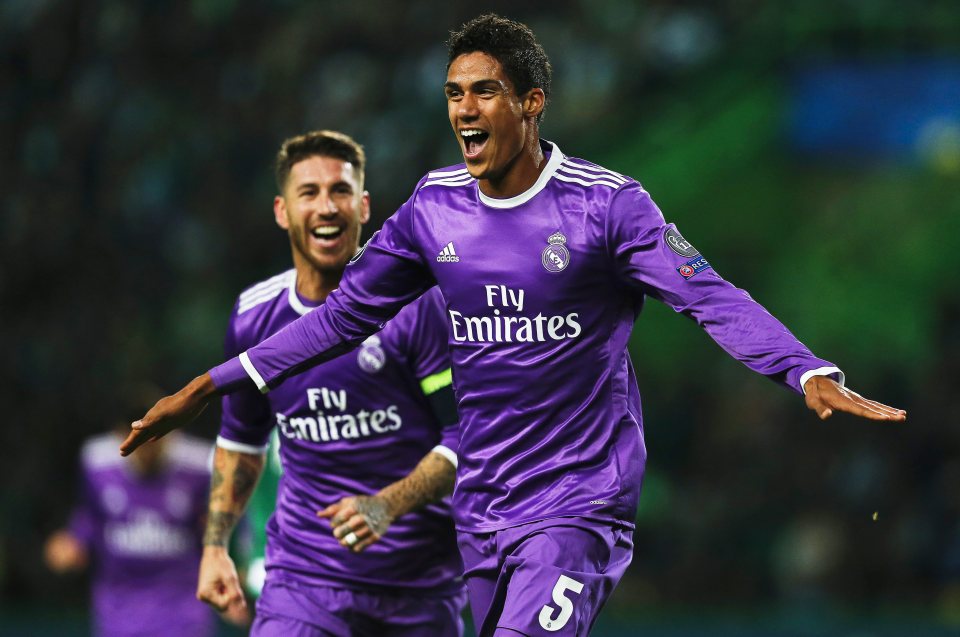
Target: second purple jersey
542, 291
348, 427
144, 533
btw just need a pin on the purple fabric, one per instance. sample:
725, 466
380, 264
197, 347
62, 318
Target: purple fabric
519, 577
322, 611
541, 292
144, 536
350, 426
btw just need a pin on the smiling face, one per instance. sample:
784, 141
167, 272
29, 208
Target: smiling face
322, 208
492, 123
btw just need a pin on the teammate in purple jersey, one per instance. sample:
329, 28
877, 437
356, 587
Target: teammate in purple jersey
544, 262
367, 440
138, 525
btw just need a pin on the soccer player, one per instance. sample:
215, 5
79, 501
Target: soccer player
367, 440
139, 525
544, 262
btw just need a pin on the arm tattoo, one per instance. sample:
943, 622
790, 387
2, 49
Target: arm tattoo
234, 477
429, 482
219, 527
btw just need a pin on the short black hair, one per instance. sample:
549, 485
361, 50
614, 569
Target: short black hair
512, 44
324, 143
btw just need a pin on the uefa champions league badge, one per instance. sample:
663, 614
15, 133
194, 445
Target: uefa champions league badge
371, 357
555, 257
693, 266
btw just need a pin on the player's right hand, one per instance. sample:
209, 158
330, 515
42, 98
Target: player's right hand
218, 583
170, 413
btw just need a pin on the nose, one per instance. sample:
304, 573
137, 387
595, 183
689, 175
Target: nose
326, 205
467, 107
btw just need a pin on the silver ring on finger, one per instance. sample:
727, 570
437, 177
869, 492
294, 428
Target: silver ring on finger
350, 538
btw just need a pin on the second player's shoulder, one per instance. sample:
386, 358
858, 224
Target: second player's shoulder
262, 307
262, 292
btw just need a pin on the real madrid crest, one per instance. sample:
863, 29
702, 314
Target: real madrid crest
555, 257
371, 356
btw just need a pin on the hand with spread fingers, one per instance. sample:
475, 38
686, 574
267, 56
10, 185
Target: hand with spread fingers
170, 413
358, 521
825, 395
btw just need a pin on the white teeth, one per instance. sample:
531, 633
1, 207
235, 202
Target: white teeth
471, 133
325, 231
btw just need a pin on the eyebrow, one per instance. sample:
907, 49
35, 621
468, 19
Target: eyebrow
478, 84
313, 184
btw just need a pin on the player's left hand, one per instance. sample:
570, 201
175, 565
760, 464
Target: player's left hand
825, 395
358, 521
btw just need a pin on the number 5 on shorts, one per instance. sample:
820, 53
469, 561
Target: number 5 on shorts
563, 585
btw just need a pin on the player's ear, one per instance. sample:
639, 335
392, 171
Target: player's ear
365, 207
280, 212
533, 102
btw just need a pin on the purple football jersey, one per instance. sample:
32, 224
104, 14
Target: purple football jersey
144, 534
350, 426
542, 291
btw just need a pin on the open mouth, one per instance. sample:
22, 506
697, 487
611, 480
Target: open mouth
474, 140
327, 233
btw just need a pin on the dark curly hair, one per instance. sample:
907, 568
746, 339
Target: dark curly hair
513, 44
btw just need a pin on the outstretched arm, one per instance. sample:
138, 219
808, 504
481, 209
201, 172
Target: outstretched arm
171, 412
385, 276
651, 257
825, 395
367, 517
235, 475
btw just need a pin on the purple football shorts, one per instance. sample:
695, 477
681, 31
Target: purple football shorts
550, 577
291, 610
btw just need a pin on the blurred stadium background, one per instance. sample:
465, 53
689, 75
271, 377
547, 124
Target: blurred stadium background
811, 150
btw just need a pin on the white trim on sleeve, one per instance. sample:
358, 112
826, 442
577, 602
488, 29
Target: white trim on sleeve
447, 453
233, 445
253, 373
821, 371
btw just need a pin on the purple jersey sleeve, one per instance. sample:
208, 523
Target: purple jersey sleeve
386, 274
427, 347
245, 419
449, 437
430, 357
652, 257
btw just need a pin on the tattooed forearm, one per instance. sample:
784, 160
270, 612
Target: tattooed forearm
430, 481
234, 477
245, 479
219, 528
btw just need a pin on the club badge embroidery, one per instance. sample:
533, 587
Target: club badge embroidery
555, 257
371, 356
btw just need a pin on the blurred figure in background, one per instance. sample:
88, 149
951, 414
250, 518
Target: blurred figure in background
138, 524
367, 440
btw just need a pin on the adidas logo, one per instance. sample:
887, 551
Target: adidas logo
448, 254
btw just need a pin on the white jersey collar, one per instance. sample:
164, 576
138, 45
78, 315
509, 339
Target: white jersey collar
292, 297
512, 202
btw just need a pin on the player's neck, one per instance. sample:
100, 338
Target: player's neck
522, 172
314, 284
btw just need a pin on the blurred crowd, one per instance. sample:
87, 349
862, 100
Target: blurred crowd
136, 203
